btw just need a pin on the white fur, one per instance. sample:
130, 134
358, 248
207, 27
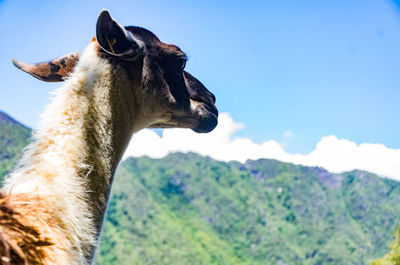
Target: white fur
61, 165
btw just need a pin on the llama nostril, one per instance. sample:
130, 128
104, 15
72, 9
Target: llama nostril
213, 98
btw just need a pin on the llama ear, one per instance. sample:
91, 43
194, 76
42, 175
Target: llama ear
115, 39
52, 71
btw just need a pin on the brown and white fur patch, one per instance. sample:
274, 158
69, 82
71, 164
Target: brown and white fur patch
71, 162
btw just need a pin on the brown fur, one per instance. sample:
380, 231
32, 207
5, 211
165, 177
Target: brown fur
23, 223
20, 243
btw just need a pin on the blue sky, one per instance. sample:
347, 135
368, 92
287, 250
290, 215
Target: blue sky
314, 68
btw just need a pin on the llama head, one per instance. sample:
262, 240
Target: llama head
169, 96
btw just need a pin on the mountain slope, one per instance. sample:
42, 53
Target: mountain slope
188, 209
13, 137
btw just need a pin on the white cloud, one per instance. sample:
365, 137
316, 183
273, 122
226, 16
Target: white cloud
336, 155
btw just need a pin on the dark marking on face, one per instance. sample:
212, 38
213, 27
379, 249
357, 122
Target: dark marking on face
163, 69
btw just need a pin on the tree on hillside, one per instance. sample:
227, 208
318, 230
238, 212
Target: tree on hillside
393, 256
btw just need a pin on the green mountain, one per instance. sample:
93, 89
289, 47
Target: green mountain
13, 137
189, 209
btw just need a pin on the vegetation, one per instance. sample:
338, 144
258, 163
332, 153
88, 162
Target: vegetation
189, 209
13, 137
393, 256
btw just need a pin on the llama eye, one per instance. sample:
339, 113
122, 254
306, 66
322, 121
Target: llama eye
182, 63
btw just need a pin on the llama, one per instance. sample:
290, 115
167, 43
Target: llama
52, 206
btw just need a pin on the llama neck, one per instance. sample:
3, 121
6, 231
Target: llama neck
77, 148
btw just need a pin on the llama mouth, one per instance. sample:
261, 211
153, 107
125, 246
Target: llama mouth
207, 124
203, 119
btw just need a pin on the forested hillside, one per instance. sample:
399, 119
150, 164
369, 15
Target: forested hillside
188, 209
13, 137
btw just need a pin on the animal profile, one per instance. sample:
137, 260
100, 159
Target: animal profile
53, 204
